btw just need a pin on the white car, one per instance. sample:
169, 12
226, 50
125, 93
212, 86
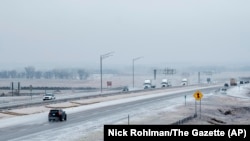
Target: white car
49, 96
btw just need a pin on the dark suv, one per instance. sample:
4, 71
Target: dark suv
57, 114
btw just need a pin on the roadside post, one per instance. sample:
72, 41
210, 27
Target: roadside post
31, 91
198, 96
128, 119
12, 88
185, 99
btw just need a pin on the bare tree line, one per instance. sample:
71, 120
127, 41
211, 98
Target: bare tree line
31, 73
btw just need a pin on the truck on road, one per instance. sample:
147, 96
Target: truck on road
165, 83
184, 82
148, 83
233, 82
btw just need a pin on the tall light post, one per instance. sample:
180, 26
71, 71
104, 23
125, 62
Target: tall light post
101, 58
134, 59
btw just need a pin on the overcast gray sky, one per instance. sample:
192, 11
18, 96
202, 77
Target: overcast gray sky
165, 32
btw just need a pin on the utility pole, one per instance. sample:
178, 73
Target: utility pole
133, 69
101, 58
199, 78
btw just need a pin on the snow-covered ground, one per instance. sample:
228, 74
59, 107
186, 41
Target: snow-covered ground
92, 130
38, 115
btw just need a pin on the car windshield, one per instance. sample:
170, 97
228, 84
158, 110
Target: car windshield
54, 111
49, 94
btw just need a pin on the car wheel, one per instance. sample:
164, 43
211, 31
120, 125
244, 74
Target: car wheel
65, 118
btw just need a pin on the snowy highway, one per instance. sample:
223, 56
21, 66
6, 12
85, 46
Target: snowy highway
84, 119
24, 101
16, 101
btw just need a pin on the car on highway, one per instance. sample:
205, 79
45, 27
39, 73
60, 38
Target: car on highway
49, 96
223, 90
125, 89
57, 115
226, 85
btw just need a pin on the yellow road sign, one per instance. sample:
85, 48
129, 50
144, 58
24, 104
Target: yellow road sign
198, 95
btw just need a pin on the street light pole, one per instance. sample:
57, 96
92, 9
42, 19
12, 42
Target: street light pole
101, 58
134, 59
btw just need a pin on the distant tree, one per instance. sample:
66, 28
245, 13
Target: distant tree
13, 74
82, 74
74, 74
30, 72
65, 74
61, 73
48, 74
21, 75
4, 74
38, 74
56, 73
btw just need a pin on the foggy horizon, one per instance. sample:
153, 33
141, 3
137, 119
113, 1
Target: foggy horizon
138, 68
174, 34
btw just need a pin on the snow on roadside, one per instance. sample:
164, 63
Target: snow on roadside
79, 132
241, 91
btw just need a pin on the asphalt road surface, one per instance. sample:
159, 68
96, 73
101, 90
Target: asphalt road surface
41, 129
